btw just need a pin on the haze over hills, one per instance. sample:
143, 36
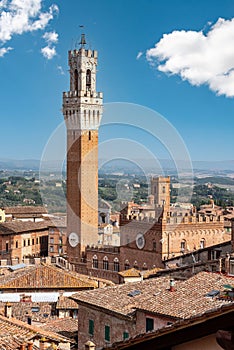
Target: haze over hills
119, 165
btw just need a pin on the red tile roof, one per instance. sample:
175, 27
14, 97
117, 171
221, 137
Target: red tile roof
14, 227
24, 209
14, 332
189, 298
45, 277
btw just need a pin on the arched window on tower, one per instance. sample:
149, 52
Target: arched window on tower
76, 80
88, 79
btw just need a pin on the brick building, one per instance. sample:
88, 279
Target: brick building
200, 332
124, 311
149, 234
57, 239
149, 244
23, 239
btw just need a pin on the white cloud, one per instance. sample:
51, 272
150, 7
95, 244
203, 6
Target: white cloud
140, 53
21, 16
51, 37
48, 52
199, 58
4, 50
60, 69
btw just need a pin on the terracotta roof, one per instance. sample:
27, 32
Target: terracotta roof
14, 332
170, 331
66, 303
151, 272
61, 325
25, 210
130, 273
12, 227
38, 312
57, 222
45, 277
153, 295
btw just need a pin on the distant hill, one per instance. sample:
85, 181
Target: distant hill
119, 165
24, 164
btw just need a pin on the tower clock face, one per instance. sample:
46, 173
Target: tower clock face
140, 241
73, 239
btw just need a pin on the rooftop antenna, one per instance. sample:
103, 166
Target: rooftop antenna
82, 40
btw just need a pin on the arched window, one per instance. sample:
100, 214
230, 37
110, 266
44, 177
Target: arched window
76, 80
88, 79
144, 266
135, 265
90, 135
95, 262
105, 263
116, 265
154, 245
126, 265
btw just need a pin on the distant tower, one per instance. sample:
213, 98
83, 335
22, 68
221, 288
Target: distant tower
82, 110
160, 189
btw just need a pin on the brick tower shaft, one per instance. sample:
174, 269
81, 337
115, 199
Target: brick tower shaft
82, 110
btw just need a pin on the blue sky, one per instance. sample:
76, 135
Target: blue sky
187, 78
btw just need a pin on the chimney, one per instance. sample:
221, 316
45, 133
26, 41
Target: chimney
172, 285
22, 347
227, 263
43, 343
8, 310
90, 345
30, 345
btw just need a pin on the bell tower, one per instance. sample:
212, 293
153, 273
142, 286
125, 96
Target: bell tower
82, 110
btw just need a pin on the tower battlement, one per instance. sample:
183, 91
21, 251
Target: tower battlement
94, 94
82, 52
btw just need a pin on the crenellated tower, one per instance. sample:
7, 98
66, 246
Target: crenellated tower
82, 110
